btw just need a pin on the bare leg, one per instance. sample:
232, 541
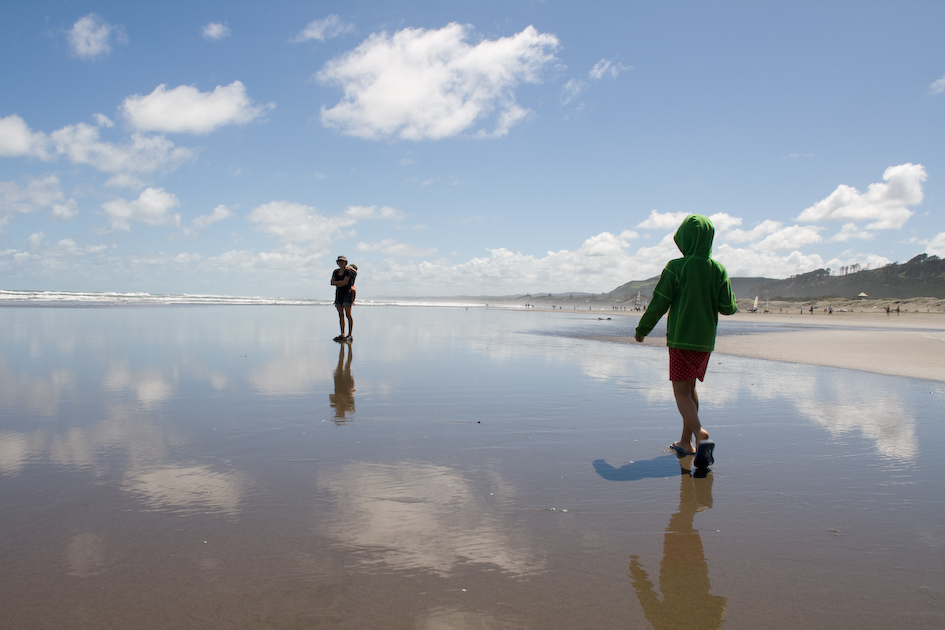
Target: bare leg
687, 401
350, 320
341, 320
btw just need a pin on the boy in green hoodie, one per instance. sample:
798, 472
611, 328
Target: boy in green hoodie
694, 289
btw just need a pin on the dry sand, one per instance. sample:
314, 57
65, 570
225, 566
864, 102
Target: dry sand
911, 344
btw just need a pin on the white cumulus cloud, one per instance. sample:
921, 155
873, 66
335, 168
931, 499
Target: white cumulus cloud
791, 237
81, 144
143, 154
64, 211
429, 84
216, 31
91, 37
326, 28
885, 204
17, 139
753, 262
755, 234
851, 231
298, 223
671, 221
37, 240
187, 109
936, 246
36, 195
152, 207
662, 220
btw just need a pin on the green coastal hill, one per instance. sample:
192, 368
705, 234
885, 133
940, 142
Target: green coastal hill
628, 291
923, 276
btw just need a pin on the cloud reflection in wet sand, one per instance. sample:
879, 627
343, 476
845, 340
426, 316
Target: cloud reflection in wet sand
151, 386
187, 488
841, 401
143, 444
40, 394
445, 618
419, 516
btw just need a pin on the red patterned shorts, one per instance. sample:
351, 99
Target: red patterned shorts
687, 364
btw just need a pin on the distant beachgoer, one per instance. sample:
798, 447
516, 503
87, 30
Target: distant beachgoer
897, 311
341, 280
830, 310
694, 289
811, 309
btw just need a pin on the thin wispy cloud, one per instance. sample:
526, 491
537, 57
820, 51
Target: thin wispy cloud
571, 90
937, 87
374, 213
325, 28
606, 68
219, 213
390, 247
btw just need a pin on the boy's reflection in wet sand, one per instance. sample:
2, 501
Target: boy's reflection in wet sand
684, 573
343, 398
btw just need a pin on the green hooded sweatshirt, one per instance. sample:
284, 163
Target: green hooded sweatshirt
694, 289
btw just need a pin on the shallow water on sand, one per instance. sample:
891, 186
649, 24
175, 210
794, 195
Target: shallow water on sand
231, 466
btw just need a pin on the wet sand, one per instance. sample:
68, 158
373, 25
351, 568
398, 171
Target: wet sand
221, 467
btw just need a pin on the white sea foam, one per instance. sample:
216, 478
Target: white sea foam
89, 298
111, 298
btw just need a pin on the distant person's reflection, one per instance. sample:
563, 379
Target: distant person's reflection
684, 573
343, 399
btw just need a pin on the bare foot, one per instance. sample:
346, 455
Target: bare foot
701, 436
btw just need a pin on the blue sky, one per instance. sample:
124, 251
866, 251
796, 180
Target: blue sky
461, 147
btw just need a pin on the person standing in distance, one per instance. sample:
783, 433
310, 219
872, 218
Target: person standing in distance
694, 289
341, 280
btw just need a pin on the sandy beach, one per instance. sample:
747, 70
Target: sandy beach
910, 345
228, 467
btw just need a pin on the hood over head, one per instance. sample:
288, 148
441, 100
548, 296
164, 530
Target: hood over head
694, 236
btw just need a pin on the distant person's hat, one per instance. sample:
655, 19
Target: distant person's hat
341, 258
355, 267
